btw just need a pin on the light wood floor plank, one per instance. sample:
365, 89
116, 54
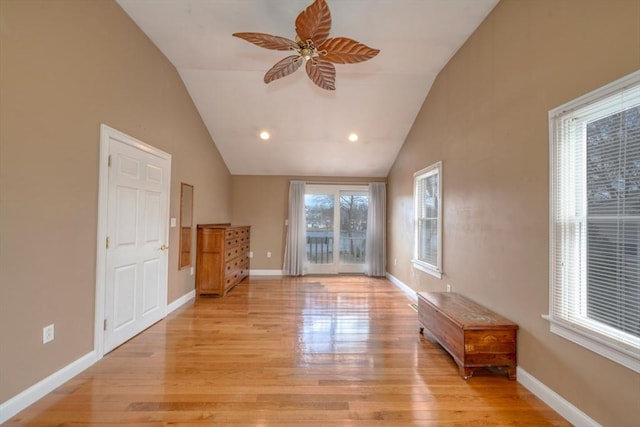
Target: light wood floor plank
326, 351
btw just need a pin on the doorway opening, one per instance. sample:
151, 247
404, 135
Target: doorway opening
336, 217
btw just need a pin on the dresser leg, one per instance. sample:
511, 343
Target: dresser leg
511, 373
465, 373
421, 331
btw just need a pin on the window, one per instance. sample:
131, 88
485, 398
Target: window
595, 221
427, 198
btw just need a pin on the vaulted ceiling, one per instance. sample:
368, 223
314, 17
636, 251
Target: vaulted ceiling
309, 126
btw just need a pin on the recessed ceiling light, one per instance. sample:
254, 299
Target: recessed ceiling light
353, 137
264, 135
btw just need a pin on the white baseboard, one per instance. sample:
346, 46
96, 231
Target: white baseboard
572, 414
34, 393
181, 301
404, 288
265, 273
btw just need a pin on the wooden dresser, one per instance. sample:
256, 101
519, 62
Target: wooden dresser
222, 257
475, 336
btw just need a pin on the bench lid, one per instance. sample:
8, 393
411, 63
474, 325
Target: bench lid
465, 312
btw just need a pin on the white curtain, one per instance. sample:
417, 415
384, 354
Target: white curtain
377, 230
295, 253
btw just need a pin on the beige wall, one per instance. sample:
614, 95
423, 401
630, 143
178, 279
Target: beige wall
486, 119
262, 202
66, 67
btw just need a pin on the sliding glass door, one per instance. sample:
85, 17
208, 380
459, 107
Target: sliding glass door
336, 228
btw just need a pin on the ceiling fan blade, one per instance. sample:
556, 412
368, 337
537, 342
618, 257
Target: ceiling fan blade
268, 41
283, 68
342, 50
314, 23
322, 73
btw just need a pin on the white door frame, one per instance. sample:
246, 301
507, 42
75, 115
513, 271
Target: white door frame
337, 266
106, 133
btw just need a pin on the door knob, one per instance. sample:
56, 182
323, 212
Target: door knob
164, 247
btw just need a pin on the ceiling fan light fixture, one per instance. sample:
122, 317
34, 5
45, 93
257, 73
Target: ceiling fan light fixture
313, 44
353, 137
264, 135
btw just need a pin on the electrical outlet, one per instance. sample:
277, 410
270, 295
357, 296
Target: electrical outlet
395, 261
47, 334
250, 254
268, 254
192, 271
448, 287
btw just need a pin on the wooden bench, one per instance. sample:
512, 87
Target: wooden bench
475, 336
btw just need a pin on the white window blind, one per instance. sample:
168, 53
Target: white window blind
428, 222
595, 221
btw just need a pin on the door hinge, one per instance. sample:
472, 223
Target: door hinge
105, 324
109, 161
107, 243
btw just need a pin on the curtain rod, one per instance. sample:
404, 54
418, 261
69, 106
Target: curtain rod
339, 183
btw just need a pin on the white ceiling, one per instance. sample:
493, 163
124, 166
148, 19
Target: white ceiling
378, 99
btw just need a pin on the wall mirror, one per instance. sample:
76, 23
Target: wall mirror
186, 224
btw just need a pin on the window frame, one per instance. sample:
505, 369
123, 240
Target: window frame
586, 332
434, 270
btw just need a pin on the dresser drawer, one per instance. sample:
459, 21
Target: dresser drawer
232, 279
237, 250
237, 233
236, 263
236, 241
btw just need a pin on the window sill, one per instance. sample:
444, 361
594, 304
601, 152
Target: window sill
589, 340
427, 268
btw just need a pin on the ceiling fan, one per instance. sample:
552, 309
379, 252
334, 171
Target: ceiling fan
313, 46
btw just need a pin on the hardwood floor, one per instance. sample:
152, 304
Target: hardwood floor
325, 351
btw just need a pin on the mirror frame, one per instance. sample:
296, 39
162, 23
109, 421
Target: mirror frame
186, 225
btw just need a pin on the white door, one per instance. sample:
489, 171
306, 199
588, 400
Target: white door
336, 217
135, 287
